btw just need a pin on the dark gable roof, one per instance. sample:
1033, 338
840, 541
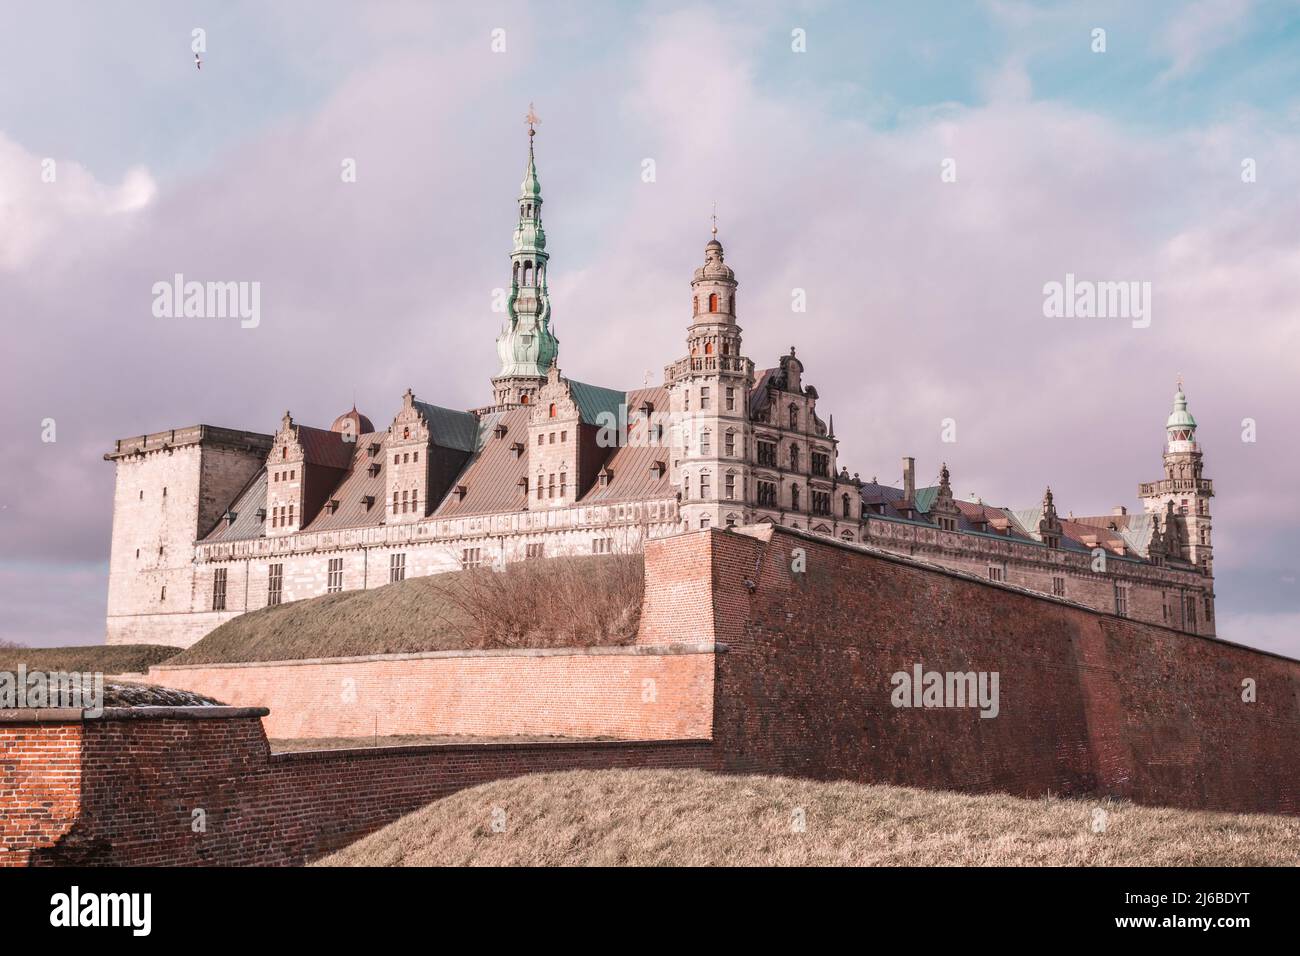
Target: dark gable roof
324, 448
450, 428
629, 465
491, 477
356, 484
246, 524
593, 399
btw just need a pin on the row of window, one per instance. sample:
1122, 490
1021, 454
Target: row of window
549, 486
281, 475
406, 457
282, 516
549, 437
413, 502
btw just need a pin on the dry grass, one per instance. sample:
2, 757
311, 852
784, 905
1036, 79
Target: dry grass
691, 818
92, 658
556, 602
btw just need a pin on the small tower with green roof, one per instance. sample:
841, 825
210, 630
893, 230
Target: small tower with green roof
1184, 494
527, 347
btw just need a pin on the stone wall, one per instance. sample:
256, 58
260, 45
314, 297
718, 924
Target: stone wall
629, 693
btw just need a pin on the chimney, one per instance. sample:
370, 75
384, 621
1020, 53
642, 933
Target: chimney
1119, 510
909, 480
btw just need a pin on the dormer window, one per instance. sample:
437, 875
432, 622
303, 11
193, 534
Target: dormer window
332, 505
230, 518
373, 449
500, 430
368, 501
657, 469
517, 448
373, 469
603, 478
461, 491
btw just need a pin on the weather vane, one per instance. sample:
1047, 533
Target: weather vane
532, 121
715, 220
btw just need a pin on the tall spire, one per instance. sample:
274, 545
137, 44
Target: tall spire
527, 348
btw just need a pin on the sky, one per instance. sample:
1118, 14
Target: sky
920, 171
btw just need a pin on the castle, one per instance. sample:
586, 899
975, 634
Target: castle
210, 522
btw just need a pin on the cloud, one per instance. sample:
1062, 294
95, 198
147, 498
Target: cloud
924, 296
1198, 30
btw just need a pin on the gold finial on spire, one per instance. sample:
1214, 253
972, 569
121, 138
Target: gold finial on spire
715, 219
532, 120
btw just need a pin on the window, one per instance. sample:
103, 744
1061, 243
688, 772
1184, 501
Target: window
550, 485
1209, 608
394, 502
794, 497
767, 494
564, 483
1058, 586
291, 514
334, 580
219, 589
730, 486
821, 464
539, 487
729, 443
602, 545
397, 460
396, 567
1191, 613
471, 557
415, 500
552, 410
706, 486
535, 550
997, 573
706, 444
767, 453
731, 399
163, 596
540, 439
1121, 600
415, 457
550, 438
713, 302
275, 585
563, 436
704, 397
704, 522
821, 502
404, 501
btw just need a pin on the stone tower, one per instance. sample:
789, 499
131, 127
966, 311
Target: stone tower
527, 347
1183, 495
709, 392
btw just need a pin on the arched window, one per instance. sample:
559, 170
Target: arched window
528, 273
708, 348
516, 273
523, 398
794, 497
713, 302
553, 411
697, 305
406, 433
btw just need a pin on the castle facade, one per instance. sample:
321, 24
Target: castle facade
211, 522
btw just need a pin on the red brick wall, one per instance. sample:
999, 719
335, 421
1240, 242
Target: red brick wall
142, 779
1089, 702
631, 696
40, 776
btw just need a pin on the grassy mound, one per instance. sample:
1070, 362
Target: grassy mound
690, 818
557, 602
92, 658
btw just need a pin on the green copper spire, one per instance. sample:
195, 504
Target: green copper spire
528, 347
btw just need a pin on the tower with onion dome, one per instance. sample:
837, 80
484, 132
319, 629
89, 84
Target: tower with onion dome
1183, 496
526, 347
